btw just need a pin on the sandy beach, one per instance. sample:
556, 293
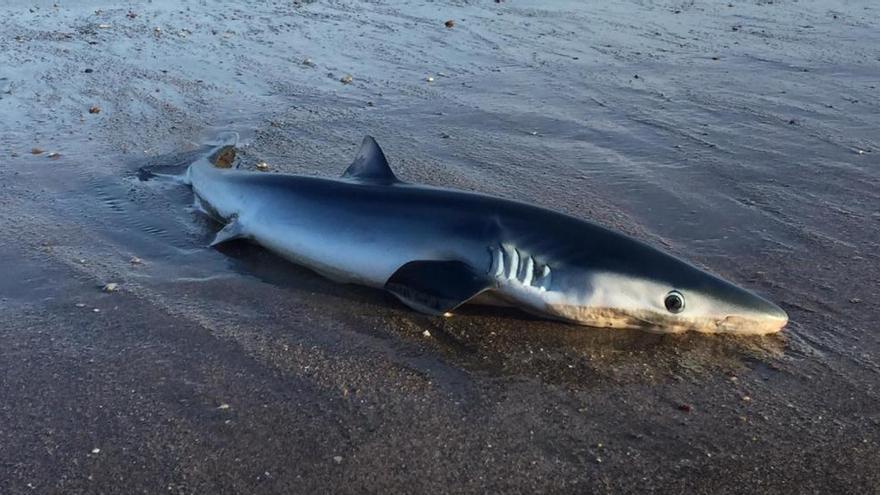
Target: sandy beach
743, 136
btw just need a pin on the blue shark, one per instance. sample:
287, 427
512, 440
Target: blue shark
436, 249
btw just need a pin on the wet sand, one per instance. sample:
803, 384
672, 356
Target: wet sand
740, 135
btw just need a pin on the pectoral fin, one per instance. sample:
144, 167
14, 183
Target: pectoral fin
231, 231
436, 287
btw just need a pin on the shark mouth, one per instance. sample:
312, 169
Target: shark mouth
660, 323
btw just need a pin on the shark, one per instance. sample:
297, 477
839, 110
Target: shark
436, 249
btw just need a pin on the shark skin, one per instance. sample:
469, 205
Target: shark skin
436, 249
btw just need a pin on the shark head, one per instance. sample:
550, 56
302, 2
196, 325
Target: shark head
638, 286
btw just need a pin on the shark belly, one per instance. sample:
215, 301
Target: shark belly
338, 255
346, 244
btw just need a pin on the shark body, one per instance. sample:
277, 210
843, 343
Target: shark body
436, 249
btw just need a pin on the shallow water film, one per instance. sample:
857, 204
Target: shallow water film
740, 135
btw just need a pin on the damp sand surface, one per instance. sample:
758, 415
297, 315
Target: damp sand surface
741, 135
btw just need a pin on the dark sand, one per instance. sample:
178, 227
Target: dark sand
742, 136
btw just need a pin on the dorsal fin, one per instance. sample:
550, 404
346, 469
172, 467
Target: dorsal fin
370, 164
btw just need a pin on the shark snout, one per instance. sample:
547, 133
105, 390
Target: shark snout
758, 316
773, 317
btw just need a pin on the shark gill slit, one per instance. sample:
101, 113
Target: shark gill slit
511, 264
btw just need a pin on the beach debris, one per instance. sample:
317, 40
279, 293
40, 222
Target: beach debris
54, 155
96, 450
157, 29
429, 79
36, 151
450, 23
855, 300
223, 406
89, 70
860, 152
96, 310
445, 135
346, 79
104, 26
80, 305
110, 287
337, 459
262, 166
307, 61
136, 261
426, 334
746, 398
95, 109
685, 408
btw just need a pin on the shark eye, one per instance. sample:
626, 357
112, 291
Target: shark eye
674, 302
